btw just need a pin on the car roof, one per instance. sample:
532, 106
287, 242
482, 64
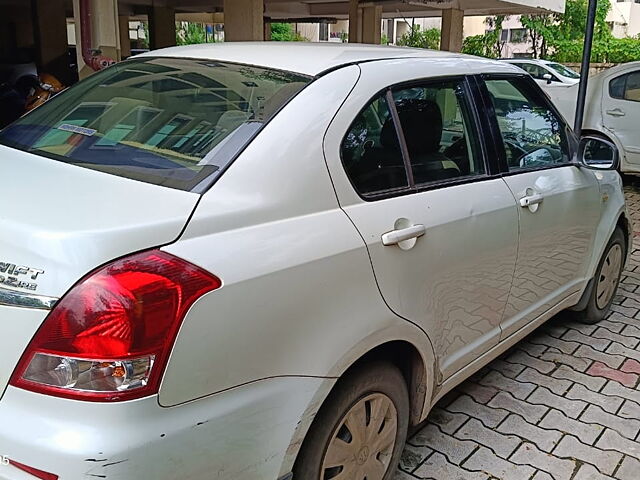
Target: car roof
527, 60
622, 68
302, 57
596, 81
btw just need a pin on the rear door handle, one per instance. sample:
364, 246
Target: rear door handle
530, 200
396, 236
616, 112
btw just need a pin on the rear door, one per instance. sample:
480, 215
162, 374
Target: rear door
621, 113
441, 231
558, 203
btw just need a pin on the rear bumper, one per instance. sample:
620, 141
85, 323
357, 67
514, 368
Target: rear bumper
241, 434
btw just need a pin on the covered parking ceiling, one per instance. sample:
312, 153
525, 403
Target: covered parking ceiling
39, 27
339, 9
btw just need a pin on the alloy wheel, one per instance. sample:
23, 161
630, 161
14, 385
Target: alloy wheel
362, 445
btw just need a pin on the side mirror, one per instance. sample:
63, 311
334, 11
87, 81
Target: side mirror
548, 77
598, 154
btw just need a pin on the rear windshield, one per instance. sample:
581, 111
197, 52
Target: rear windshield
167, 121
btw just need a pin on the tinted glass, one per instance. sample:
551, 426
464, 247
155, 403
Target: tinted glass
167, 121
538, 72
562, 70
632, 90
435, 124
534, 136
371, 152
616, 87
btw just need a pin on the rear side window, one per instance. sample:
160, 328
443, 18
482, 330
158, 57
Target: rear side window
371, 152
626, 87
167, 121
435, 123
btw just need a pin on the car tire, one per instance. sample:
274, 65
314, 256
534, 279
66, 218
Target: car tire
343, 435
605, 281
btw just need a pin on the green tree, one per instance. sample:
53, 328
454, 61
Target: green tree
284, 32
416, 37
188, 33
489, 44
561, 36
539, 31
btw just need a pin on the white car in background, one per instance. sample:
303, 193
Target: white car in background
612, 110
268, 261
545, 72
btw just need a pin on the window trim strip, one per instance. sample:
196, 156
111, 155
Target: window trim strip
400, 134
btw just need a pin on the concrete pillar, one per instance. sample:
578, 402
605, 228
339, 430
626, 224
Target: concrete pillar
372, 24
50, 38
105, 35
402, 28
267, 31
162, 27
391, 30
355, 22
243, 20
125, 41
452, 30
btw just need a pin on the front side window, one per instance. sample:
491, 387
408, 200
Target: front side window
626, 87
533, 135
436, 127
538, 72
167, 121
371, 152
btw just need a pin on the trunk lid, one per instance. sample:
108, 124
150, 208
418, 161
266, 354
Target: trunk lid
58, 222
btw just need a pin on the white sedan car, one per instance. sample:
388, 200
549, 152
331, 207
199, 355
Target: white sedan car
612, 110
546, 72
268, 261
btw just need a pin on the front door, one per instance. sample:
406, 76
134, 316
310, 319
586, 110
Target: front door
442, 234
621, 113
558, 203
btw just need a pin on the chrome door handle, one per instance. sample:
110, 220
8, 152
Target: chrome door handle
396, 236
529, 200
616, 112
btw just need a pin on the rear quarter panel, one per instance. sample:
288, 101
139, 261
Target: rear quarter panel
298, 297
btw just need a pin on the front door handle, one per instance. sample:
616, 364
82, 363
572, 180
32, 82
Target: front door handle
616, 112
530, 200
396, 236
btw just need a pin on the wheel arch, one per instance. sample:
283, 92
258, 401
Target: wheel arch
407, 358
416, 361
627, 229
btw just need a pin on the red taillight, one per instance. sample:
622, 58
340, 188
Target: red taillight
110, 336
34, 471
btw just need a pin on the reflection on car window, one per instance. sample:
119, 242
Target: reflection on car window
168, 121
632, 88
534, 136
371, 152
537, 72
435, 125
564, 71
626, 87
616, 87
